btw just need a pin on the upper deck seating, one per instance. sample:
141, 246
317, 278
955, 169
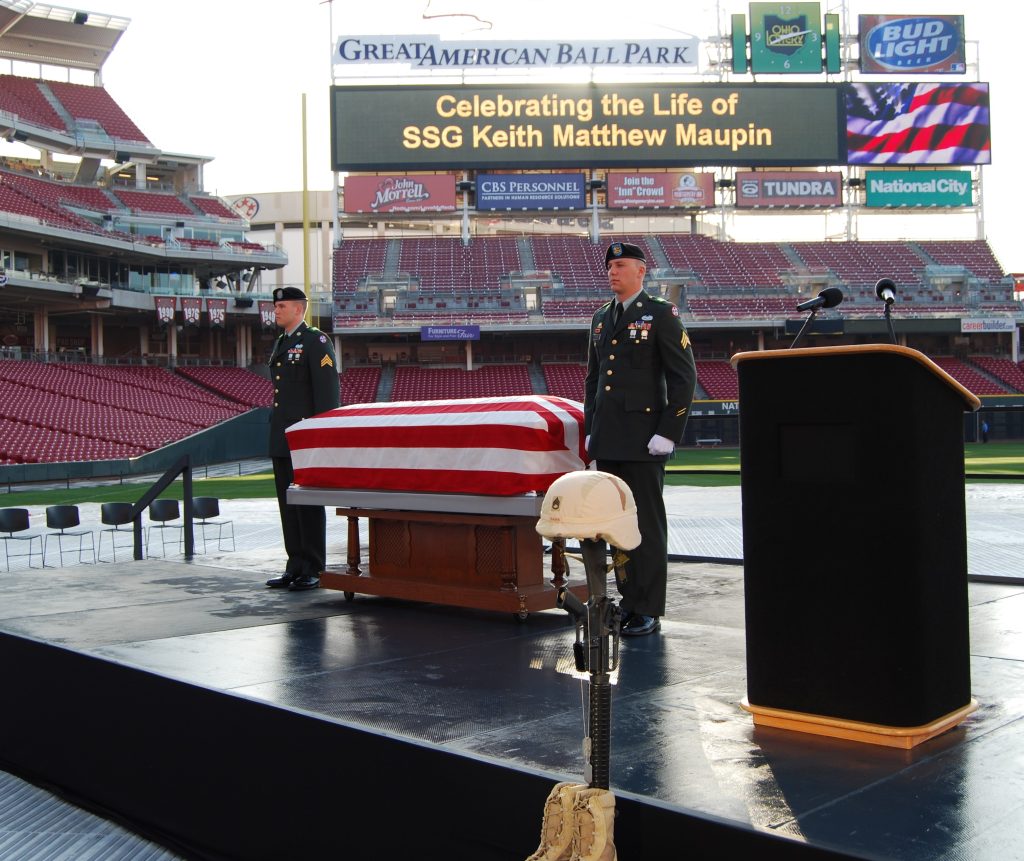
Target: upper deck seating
738, 308
23, 98
19, 202
726, 264
95, 103
212, 206
149, 201
575, 309
864, 263
413, 383
355, 258
59, 194
974, 254
577, 260
445, 264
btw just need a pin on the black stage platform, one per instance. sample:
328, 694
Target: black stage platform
231, 721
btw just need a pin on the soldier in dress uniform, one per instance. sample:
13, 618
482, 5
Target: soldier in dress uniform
304, 372
639, 385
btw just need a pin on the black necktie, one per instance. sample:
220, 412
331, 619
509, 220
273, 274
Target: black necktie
616, 314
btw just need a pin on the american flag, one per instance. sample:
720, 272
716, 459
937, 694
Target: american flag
918, 124
487, 446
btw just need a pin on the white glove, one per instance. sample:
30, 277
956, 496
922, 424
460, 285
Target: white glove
586, 444
660, 445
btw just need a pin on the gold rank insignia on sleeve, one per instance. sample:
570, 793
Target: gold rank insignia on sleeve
326, 362
684, 340
680, 412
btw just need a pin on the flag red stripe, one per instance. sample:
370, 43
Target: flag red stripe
931, 138
479, 482
489, 435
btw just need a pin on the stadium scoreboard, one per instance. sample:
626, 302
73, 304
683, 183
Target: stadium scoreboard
525, 126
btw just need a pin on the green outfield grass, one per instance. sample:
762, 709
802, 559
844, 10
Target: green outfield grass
694, 467
996, 458
258, 486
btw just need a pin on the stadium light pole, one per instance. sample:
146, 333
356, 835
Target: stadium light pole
595, 222
335, 191
305, 221
465, 186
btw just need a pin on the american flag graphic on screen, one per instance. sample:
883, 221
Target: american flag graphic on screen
489, 446
898, 123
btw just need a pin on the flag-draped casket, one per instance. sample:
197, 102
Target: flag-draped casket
488, 446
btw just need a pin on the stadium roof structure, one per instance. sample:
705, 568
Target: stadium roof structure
55, 35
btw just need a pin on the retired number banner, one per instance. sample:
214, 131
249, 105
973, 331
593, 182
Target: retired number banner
165, 307
218, 310
191, 310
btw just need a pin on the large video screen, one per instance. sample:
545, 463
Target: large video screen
900, 123
523, 126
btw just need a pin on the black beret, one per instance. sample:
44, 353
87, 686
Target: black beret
623, 249
282, 294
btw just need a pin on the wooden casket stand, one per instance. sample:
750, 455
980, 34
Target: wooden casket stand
484, 561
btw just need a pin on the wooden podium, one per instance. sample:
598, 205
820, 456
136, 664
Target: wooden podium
854, 542
481, 552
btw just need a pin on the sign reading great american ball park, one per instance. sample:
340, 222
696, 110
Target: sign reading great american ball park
522, 126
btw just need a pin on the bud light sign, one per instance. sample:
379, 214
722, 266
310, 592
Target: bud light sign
924, 44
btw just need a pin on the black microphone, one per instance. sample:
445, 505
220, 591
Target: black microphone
827, 298
886, 290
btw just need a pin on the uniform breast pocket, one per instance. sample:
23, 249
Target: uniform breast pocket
640, 354
294, 371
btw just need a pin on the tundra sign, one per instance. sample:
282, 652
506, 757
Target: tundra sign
788, 188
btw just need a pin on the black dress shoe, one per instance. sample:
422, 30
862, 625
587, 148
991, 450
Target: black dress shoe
640, 626
307, 581
282, 581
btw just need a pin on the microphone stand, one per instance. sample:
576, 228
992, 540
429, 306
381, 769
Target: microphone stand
888, 321
807, 322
